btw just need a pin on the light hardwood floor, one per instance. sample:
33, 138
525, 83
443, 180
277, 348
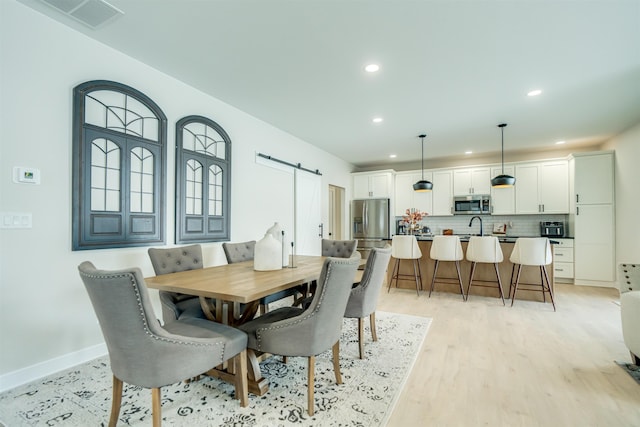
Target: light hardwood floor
484, 364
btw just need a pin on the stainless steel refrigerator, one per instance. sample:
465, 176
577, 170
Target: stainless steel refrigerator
370, 224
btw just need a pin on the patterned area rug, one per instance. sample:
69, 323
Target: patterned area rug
82, 396
631, 369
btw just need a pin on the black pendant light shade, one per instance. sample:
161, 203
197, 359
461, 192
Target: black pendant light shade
502, 180
422, 185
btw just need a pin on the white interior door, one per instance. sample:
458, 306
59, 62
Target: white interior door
307, 214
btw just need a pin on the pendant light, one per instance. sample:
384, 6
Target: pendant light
422, 185
503, 181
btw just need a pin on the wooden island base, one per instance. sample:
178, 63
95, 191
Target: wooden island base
529, 277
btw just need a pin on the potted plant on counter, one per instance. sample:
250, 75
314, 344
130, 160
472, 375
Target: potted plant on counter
412, 219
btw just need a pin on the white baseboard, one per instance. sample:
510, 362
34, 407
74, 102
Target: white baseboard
51, 366
600, 284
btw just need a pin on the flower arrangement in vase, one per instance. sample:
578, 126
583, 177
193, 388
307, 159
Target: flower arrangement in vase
412, 219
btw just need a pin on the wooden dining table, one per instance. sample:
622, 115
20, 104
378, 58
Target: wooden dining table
235, 290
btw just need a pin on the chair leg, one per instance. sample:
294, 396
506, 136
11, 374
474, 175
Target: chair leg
433, 279
361, 336
311, 370
544, 296
473, 270
515, 287
242, 387
460, 280
372, 321
156, 407
546, 275
394, 274
495, 265
336, 362
513, 269
116, 400
417, 275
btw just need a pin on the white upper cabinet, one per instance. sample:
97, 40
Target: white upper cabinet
442, 193
406, 198
542, 188
503, 200
593, 178
471, 181
373, 185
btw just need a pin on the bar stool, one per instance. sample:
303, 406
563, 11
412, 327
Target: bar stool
484, 249
446, 248
406, 247
531, 251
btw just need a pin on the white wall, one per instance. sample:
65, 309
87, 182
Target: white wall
44, 310
627, 181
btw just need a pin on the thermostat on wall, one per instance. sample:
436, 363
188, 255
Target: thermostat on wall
23, 175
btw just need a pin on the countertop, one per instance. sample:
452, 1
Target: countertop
465, 237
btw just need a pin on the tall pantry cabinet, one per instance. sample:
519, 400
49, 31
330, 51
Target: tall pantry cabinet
594, 218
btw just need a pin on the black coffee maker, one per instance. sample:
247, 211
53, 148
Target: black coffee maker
551, 228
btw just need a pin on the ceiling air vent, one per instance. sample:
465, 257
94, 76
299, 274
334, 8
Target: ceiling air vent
93, 13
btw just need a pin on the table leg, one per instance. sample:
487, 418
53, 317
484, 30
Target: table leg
258, 385
207, 309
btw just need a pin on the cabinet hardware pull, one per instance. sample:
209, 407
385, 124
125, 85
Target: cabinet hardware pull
577, 198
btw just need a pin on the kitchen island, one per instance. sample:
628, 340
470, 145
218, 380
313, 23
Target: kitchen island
484, 272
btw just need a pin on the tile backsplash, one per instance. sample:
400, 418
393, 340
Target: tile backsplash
517, 225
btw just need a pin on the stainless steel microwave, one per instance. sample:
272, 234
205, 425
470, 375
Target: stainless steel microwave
476, 204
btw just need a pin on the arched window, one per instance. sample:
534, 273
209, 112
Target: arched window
119, 152
203, 188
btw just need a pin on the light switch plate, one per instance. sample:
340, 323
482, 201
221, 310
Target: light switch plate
16, 220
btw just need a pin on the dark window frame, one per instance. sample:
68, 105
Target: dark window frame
150, 225
221, 223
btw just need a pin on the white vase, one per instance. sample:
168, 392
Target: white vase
278, 233
268, 254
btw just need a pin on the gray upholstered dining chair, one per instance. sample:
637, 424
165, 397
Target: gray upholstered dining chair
172, 260
293, 331
146, 354
364, 296
331, 248
244, 251
239, 252
339, 248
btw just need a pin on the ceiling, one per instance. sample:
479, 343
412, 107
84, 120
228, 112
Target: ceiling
451, 69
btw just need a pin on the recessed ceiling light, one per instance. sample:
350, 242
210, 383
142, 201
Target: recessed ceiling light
392, 156
534, 92
377, 120
560, 142
468, 152
372, 68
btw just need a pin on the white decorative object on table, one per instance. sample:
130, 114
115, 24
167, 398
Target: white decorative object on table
278, 233
268, 254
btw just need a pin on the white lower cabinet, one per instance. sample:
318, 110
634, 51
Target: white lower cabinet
563, 259
594, 244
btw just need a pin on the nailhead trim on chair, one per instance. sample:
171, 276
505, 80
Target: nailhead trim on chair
142, 316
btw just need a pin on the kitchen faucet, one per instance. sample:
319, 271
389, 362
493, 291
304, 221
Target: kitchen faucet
479, 219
